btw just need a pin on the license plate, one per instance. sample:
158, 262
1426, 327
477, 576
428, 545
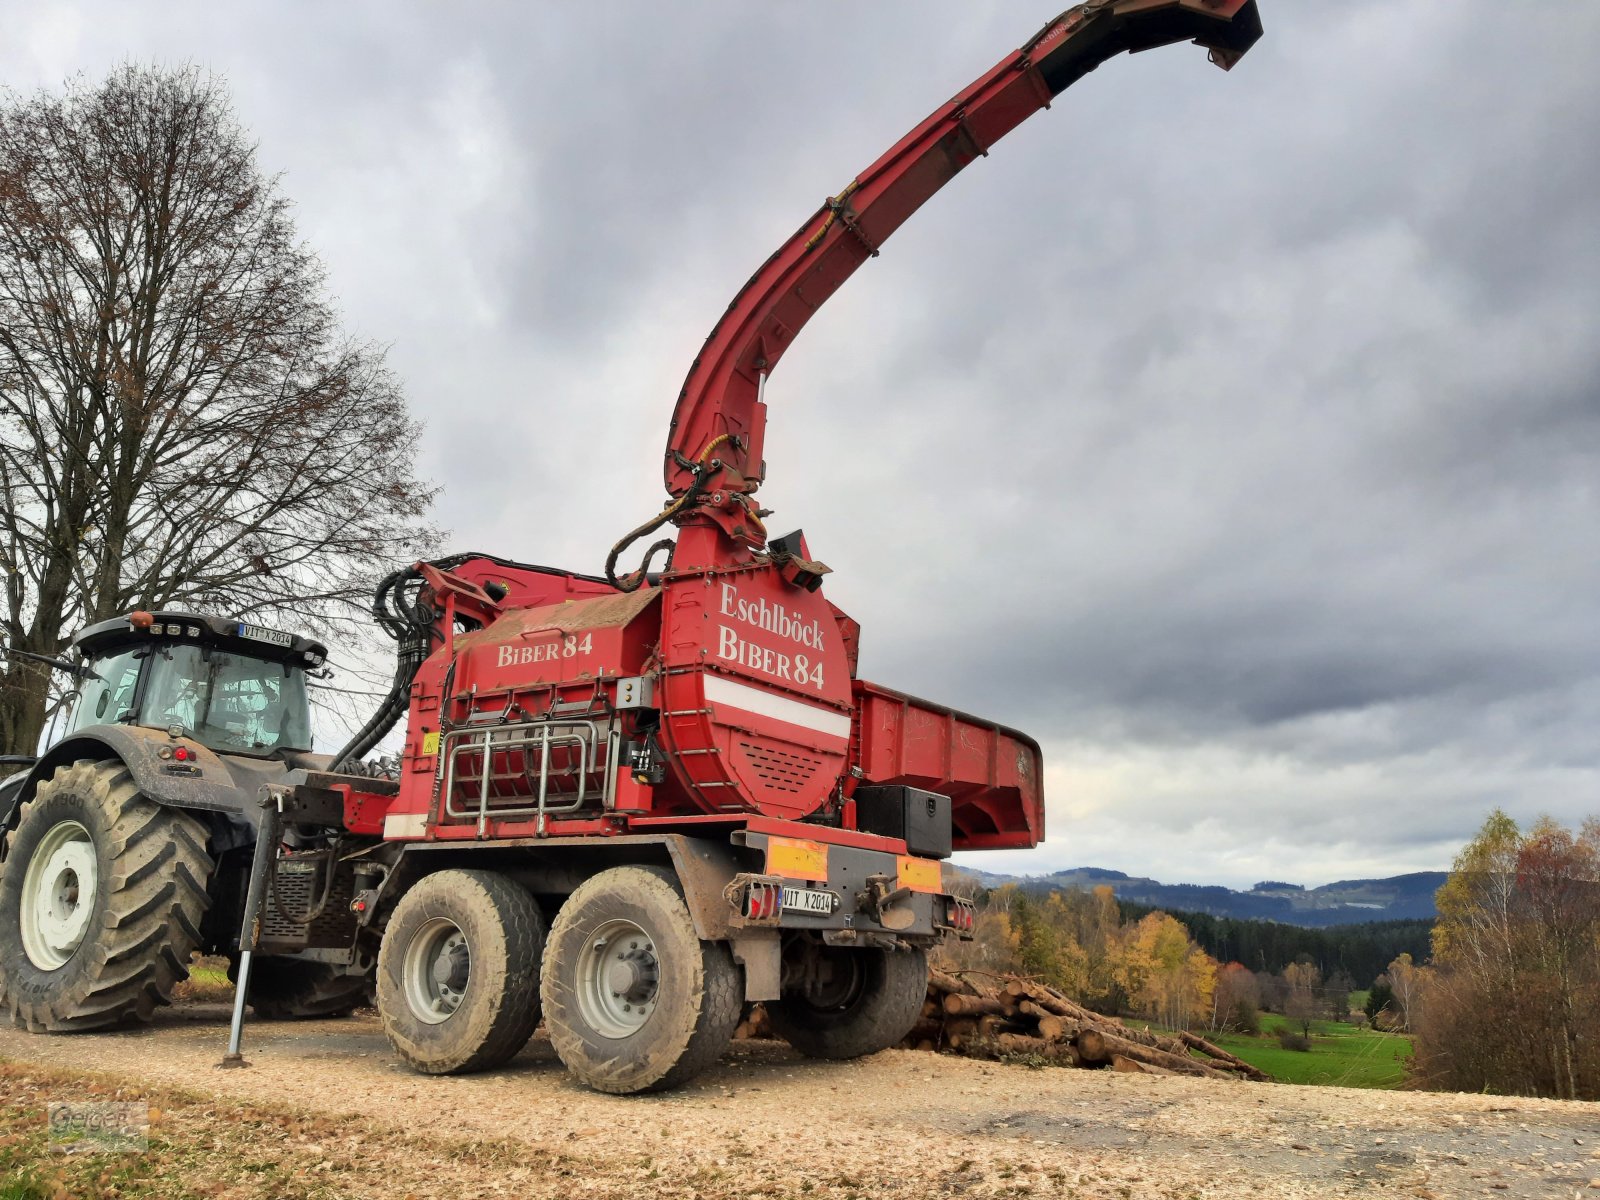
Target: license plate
259, 634
809, 900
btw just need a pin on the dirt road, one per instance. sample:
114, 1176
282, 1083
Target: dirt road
326, 1110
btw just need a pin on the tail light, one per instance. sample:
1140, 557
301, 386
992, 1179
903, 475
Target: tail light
763, 902
960, 915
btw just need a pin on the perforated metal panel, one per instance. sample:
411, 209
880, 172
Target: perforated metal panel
780, 769
291, 899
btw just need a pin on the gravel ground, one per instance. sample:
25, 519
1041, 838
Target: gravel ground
899, 1124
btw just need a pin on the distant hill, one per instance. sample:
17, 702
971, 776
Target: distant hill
1347, 902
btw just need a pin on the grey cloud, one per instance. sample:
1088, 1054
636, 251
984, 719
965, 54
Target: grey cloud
1237, 435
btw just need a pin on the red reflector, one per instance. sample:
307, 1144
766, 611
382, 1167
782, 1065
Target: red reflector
761, 902
181, 754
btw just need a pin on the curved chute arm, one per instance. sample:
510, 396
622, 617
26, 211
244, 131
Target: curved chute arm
717, 427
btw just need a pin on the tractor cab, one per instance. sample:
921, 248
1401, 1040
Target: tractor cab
232, 686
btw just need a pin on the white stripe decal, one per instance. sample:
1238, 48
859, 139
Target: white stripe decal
770, 704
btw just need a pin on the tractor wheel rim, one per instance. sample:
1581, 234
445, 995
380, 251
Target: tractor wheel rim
619, 978
437, 971
58, 895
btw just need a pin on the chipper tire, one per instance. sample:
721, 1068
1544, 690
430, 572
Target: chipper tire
633, 999
293, 989
100, 902
458, 972
872, 1001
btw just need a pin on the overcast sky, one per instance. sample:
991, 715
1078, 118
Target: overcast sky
1236, 435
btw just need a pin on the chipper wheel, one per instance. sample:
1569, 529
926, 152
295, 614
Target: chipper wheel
100, 901
633, 999
291, 989
458, 972
852, 1002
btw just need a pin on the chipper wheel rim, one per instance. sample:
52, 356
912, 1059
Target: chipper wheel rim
619, 979
437, 970
695, 998
59, 890
502, 936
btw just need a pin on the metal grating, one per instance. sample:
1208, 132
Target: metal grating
290, 898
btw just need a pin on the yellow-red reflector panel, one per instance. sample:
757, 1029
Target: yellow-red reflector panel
795, 859
918, 874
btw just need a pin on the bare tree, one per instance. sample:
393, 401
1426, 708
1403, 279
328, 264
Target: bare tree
1300, 1005
182, 421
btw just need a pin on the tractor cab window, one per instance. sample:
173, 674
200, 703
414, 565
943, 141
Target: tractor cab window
108, 699
228, 701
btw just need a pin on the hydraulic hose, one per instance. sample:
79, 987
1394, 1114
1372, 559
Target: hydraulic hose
410, 622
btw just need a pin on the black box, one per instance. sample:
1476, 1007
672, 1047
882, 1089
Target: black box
921, 818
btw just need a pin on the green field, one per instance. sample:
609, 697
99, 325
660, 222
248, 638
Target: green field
1340, 1055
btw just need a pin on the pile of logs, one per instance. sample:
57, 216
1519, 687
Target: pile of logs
991, 1016
1008, 1017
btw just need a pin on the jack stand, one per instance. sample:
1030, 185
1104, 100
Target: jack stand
268, 831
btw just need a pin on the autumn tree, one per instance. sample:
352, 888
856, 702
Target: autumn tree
1166, 975
182, 421
1406, 982
1512, 1001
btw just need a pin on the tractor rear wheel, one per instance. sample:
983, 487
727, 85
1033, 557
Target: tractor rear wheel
853, 1002
633, 999
100, 901
458, 972
291, 989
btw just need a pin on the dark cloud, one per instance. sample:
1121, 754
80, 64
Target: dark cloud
1237, 435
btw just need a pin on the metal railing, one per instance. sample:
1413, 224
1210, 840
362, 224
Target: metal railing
587, 777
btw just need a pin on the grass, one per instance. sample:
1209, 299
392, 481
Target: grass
208, 981
1340, 1055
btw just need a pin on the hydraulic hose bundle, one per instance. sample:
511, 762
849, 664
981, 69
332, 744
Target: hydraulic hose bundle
402, 614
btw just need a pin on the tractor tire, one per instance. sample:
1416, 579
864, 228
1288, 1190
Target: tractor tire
458, 972
869, 1000
633, 999
100, 902
295, 989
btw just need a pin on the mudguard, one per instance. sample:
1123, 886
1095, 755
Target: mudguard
223, 785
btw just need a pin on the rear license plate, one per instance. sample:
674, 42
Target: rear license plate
809, 900
259, 634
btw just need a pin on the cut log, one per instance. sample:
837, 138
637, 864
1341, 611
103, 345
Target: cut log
925, 1030
1058, 1029
1052, 1001
1020, 1044
977, 1006
1195, 1042
1098, 1046
958, 1032
939, 981
985, 985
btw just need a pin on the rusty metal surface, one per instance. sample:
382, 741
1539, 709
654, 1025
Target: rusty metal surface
604, 612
